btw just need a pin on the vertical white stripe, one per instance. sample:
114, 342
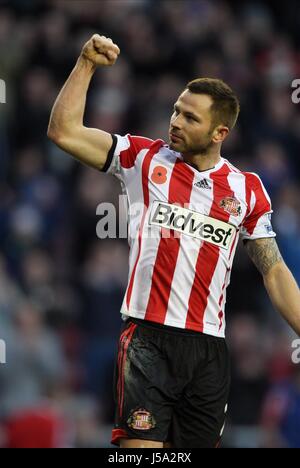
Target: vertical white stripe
237, 183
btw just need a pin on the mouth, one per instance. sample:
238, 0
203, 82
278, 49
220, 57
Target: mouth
174, 138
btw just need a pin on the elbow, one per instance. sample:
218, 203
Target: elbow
61, 138
53, 134
57, 136
56, 129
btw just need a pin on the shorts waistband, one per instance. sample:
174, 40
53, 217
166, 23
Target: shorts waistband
168, 328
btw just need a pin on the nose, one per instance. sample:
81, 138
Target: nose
176, 121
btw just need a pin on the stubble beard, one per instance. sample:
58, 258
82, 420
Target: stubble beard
191, 150
200, 149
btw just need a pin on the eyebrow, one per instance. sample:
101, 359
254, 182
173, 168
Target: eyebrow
191, 114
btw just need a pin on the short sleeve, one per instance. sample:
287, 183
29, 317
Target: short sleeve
124, 153
257, 223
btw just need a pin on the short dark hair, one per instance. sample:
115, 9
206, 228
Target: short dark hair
225, 107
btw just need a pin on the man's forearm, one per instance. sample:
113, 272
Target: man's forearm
284, 294
88, 145
68, 110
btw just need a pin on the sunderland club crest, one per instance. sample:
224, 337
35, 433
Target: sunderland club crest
231, 205
141, 420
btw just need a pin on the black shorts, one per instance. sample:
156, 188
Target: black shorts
170, 385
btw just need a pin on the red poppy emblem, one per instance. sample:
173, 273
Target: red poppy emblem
159, 175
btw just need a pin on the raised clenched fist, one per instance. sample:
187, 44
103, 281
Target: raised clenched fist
100, 50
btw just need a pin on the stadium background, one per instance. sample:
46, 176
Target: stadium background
61, 287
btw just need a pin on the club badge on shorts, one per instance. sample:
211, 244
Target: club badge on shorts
141, 420
231, 205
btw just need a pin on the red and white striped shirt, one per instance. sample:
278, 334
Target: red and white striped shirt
183, 239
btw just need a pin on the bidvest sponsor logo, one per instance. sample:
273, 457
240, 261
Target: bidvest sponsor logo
192, 224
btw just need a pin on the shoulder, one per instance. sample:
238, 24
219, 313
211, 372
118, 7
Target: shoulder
255, 185
231, 167
129, 147
133, 141
252, 179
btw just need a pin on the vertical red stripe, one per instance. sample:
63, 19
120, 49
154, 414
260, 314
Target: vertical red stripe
180, 189
209, 254
145, 175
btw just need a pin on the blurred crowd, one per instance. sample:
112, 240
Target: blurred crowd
61, 288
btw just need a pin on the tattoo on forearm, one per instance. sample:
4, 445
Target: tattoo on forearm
264, 253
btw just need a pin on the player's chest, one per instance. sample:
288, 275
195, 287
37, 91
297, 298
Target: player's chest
220, 197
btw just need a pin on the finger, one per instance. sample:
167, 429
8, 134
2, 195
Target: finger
110, 45
116, 49
96, 38
99, 41
112, 55
101, 48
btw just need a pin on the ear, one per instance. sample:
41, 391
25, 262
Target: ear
220, 133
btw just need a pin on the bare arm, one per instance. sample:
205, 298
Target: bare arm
278, 280
66, 129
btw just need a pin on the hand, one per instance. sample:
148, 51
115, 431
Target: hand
100, 51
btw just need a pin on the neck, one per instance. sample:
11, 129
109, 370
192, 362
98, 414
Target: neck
202, 162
